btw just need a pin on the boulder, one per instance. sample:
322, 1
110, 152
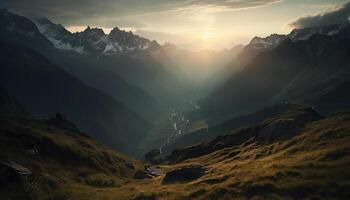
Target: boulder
184, 174
142, 175
154, 171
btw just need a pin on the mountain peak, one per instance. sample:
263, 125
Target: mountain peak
268, 42
93, 40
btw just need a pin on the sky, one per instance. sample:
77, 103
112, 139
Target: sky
191, 24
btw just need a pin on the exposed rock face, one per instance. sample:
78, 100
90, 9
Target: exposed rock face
94, 40
184, 174
154, 171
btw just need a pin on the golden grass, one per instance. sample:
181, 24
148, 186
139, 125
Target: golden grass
313, 165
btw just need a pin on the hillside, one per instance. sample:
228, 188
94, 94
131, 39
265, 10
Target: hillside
211, 132
52, 157
299, 155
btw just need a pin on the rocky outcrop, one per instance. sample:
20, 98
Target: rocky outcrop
184, 174
11, 171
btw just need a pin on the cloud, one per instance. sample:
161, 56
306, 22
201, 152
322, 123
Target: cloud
97, 12
337, 15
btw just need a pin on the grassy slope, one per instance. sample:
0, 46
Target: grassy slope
66, 162
313, 164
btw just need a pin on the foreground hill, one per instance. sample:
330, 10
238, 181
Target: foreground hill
42, 159
298, 155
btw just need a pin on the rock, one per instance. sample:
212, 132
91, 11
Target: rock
154, 171
142, 175
184, 174
11, 171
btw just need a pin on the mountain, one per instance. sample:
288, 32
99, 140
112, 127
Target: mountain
274, 40
332, 98
267, 43
93, 40
44, 88
116, 75
120, 53
19, 30
285, 73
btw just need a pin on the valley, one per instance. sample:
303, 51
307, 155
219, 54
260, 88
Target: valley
114, 115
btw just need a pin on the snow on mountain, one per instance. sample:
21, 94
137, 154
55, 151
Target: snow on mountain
306, 33
272, 41
93, 40
267, 42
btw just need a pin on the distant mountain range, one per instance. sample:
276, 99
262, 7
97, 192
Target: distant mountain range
93, 40
274, 40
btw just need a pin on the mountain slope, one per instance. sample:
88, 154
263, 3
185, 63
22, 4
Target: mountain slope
44, 89
19, 30
310, 161
284, 73
120, 53
68, 56
211, 132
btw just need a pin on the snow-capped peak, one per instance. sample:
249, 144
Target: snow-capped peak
274, 40
267, 42
93, 40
